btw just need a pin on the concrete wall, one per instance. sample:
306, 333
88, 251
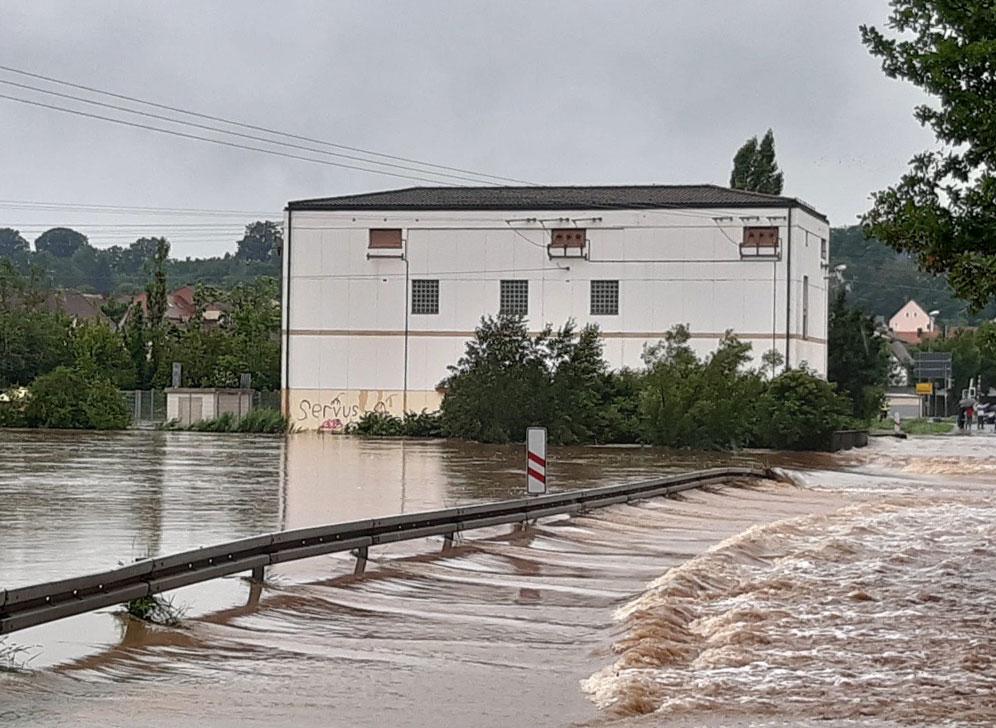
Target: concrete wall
345, 313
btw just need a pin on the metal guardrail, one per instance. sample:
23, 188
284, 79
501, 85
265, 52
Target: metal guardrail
41, 603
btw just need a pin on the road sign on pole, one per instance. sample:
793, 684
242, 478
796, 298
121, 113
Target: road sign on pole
536, 460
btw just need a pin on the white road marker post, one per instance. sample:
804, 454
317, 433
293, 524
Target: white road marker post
536, 460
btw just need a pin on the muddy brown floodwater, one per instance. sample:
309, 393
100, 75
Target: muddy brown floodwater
860, 595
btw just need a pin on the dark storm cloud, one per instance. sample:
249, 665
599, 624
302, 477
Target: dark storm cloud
567, 92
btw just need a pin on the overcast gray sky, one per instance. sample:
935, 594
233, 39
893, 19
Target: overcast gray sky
576, 92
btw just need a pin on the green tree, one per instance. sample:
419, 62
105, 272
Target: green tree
858, 357
135, 342
743, 165
32, 340
155, 315
800, 411
508, 380
973, 356
66, 398
262, 241
99, 352
755, 168
943, 210
252, 329
60, 242
707, 404
12, 245
881, 280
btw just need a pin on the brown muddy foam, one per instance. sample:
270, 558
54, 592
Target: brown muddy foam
878, 611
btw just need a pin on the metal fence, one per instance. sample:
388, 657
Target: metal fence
147, 407
33, 605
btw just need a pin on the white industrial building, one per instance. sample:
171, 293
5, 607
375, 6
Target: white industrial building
381, 291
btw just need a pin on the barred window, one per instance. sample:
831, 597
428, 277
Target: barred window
425, 297
604, 298
514, 298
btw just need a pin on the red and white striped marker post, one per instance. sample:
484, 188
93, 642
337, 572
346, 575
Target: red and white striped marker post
536, 460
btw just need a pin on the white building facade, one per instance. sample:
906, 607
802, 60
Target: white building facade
381, 291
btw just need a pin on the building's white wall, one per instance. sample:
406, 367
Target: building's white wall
346, 314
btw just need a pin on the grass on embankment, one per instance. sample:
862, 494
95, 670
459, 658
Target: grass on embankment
924, 426
258, 420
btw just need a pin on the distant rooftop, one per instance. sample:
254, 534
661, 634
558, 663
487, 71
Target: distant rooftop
626, 197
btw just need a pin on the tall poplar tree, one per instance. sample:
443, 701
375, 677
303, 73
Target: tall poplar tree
755, 168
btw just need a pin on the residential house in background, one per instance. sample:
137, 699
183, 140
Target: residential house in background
80, 307
181, 308
383, 290
912, 324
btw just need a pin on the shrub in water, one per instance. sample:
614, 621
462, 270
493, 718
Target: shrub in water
155, 610
799, 411
508, 380
384, 424
258, 420
66, 398
705, 404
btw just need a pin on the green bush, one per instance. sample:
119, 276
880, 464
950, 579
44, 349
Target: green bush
422, 424
705, 404
413, 424
799, 411
13, 404
507, 381
156, 610
262, 420
67, 399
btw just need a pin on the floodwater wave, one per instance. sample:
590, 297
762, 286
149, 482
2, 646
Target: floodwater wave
856, 592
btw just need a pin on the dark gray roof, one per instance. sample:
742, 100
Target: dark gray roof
628, 197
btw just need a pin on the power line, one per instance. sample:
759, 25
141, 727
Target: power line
244, 125
252, 137
234, 145
88, 207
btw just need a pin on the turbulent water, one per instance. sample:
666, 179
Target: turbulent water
860, 595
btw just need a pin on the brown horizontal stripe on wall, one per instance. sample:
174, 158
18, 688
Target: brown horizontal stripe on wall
605, 334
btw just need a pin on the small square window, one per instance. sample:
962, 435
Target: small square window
604, 298
385, 239
514, 299
425, 297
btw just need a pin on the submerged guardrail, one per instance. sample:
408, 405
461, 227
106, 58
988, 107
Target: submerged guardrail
41, 603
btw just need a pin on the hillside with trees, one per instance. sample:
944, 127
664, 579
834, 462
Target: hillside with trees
880, 280
65, 258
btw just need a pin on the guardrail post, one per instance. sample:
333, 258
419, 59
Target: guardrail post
258, 574
448, 540
361, 561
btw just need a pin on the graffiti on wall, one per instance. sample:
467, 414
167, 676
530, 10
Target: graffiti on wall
343, 408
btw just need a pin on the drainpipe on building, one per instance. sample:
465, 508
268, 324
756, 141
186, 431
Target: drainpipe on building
404, 393
774, 312
287, 323
788, 292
